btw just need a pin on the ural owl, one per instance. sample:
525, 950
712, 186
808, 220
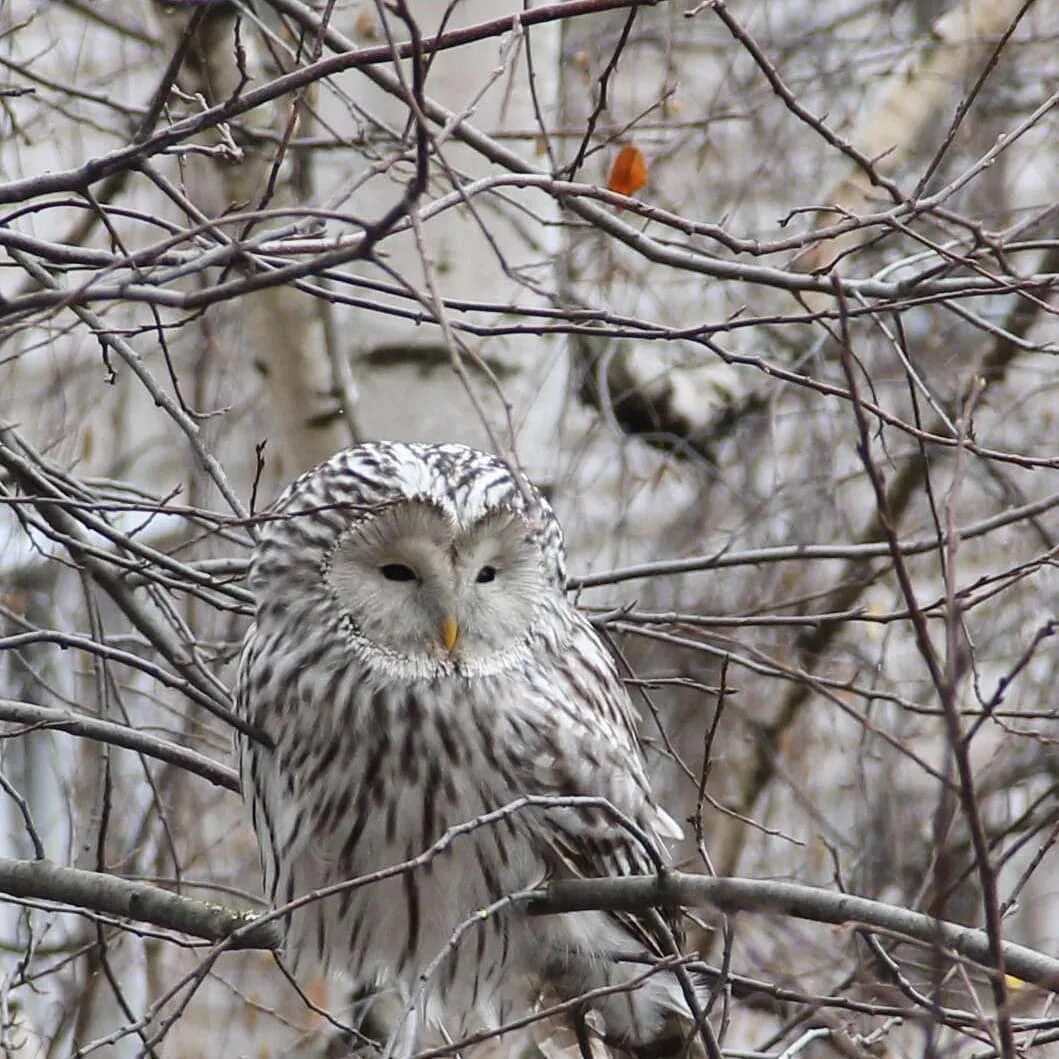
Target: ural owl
417, 666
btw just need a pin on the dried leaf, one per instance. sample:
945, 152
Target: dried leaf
365, 26
629, 172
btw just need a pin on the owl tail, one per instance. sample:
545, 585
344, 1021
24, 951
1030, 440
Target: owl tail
676, 1040
647, 1016
657, 1025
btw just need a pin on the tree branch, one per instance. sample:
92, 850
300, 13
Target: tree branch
868, 549
348, 58
95, 892
119, 735
634, 893
90, 891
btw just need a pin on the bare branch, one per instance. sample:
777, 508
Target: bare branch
107, 894
41, 880
45, 717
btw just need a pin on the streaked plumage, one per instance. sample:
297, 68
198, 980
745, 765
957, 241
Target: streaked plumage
373, 564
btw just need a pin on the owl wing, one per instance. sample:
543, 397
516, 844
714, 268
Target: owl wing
579, 740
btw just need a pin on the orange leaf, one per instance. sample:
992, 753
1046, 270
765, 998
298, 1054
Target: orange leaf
629, 172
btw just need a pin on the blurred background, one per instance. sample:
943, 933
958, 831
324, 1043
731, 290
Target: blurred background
762, 295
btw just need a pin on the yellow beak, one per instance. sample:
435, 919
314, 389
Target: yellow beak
450, 633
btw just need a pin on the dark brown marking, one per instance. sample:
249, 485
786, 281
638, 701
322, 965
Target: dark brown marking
411, 893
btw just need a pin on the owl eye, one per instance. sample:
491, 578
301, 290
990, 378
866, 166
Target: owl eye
486, 574
397, 572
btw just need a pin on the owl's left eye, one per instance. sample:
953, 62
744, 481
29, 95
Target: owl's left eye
486, 574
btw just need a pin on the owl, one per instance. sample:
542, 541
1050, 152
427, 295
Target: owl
417, 670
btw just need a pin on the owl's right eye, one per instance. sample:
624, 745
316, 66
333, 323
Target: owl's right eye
397, 572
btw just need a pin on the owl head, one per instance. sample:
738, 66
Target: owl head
429, 556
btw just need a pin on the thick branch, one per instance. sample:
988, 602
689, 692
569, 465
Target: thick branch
94, 892
41, 880
801, 902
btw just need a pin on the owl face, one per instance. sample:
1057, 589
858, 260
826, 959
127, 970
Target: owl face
422, 586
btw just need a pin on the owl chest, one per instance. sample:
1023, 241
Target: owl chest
388, 773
